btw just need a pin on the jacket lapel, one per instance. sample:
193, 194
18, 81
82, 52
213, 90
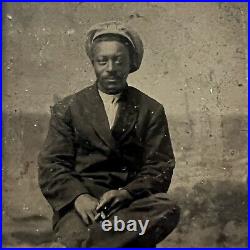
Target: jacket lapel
124, 122
98, 118
126, 116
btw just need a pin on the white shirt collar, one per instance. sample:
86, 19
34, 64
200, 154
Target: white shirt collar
109, 98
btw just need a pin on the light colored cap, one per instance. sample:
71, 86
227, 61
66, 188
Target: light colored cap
117, 28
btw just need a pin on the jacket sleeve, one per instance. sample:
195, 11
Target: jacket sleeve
58, 180
159, 162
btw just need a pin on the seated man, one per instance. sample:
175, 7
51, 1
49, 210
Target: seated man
108, 156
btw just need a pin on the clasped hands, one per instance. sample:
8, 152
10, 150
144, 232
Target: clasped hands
91, 210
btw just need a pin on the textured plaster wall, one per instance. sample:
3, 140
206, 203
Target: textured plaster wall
195, 64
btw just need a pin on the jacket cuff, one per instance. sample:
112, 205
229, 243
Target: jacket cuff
136, 189
67, 197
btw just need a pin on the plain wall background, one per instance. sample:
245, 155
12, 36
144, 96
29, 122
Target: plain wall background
195, 64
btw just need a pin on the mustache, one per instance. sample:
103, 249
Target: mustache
113, 76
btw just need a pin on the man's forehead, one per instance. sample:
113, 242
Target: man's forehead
113, 48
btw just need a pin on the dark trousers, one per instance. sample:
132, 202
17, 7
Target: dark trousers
163, 216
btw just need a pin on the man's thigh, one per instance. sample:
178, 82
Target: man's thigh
70, 230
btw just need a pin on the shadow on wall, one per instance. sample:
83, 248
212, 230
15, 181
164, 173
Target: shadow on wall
214, 214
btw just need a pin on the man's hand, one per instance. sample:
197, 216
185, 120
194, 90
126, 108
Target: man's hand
85, 205
112, 201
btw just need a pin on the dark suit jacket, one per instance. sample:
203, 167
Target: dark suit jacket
82, 155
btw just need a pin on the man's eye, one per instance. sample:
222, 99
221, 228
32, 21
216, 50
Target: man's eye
118, 61
101, 61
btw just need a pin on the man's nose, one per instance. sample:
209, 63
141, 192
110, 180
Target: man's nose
110, 66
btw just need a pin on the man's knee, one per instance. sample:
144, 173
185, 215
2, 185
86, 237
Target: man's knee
162, 213
166, 208
165, 218
173, 216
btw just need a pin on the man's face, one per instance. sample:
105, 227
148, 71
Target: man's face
111, 64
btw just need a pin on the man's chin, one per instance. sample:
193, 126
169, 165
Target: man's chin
111, 88
113, 91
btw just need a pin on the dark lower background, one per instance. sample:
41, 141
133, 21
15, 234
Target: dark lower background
194, 64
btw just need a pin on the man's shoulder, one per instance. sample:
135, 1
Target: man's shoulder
70, 99
67, 102
142, 98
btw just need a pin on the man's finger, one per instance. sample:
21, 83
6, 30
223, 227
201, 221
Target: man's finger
91, 216
103, 204
103, 199
112, 205
114, 209
85, 217
97, 217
